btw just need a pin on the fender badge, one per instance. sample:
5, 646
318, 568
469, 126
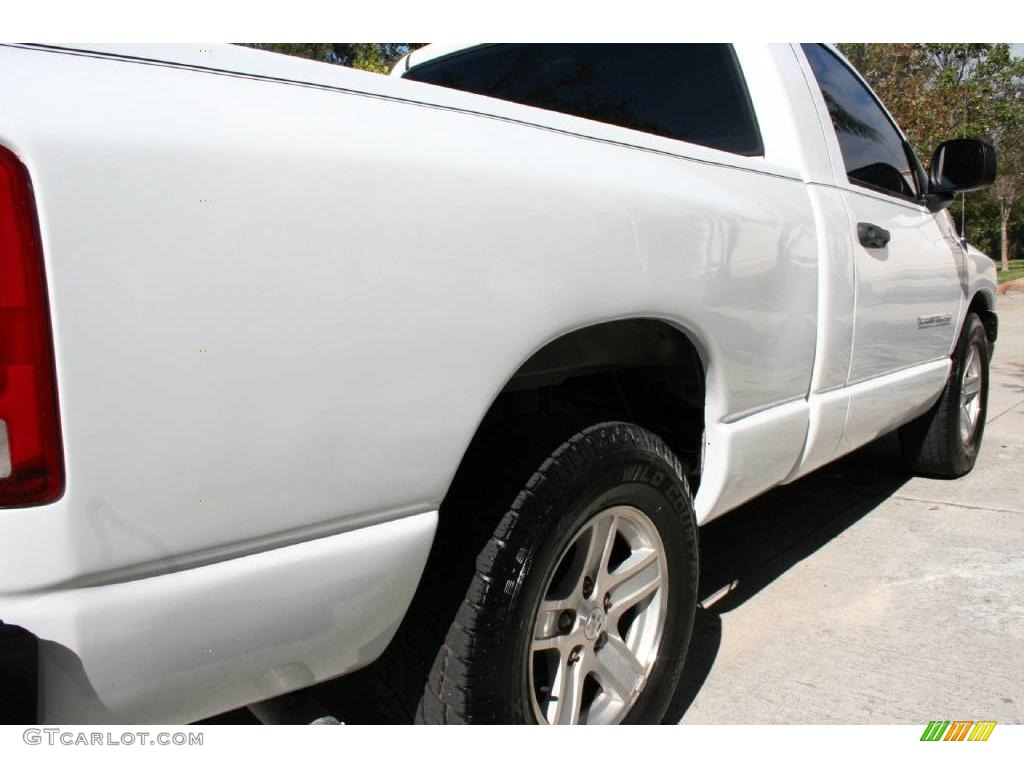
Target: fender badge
932, 321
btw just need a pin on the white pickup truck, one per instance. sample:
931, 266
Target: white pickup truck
293, 355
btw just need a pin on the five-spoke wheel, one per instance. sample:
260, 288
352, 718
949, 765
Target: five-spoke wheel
944, 441
583, 600
599, 625
970, 393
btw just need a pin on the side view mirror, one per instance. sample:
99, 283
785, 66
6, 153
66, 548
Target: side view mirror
959, 165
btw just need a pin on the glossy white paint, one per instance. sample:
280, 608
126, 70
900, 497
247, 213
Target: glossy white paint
980, 281
922, 272
737, 463
284, 294
880, 404
189, 643
916, 275
837, 289
345, 332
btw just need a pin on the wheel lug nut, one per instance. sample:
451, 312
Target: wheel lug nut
574, 655
565, 621
588, 586
607, 601
600, 641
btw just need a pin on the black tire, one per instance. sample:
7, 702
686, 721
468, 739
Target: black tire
933, 444
480, 673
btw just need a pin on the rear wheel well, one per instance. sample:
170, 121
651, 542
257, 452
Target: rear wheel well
641, 371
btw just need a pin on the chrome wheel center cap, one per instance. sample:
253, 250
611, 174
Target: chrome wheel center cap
594, 625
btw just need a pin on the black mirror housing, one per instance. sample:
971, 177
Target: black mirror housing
962, 165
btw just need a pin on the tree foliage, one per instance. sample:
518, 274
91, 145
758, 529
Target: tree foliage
374, 57
939, 91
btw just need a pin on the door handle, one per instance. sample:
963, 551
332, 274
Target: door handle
872, 236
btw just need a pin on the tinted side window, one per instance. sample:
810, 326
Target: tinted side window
873, 151
693, 93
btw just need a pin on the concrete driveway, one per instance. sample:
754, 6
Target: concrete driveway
861, 594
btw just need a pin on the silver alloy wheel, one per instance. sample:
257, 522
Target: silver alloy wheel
599, 624
970, 394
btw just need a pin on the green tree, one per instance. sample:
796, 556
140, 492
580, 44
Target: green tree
374, 57
938, 91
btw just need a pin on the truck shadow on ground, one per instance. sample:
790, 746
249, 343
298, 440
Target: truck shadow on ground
747, 549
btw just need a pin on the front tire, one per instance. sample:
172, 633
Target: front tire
944, 442
583, 600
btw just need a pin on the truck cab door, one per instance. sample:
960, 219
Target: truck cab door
908, 262
908, 287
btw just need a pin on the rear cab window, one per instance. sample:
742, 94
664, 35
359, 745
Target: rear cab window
689, 92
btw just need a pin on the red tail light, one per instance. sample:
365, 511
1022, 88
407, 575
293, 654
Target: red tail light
31, 460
